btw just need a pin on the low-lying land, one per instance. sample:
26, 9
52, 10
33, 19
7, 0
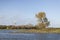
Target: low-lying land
31, 29
43, 30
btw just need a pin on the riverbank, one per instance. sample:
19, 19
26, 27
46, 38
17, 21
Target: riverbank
43, 30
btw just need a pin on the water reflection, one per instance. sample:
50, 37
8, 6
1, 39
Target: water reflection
6, 35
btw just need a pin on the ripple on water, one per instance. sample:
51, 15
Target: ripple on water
6, 35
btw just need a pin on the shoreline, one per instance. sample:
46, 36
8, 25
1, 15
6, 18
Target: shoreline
43, 30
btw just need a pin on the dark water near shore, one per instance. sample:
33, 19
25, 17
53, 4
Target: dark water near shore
6, 35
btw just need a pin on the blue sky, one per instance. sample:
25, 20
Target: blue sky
23, 11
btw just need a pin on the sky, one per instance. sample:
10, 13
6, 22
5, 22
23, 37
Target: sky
23, 12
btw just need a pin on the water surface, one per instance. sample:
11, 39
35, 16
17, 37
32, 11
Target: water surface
6, 35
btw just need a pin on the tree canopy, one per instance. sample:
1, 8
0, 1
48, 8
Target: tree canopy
41, 15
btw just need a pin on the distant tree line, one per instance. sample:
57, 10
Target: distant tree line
16, 27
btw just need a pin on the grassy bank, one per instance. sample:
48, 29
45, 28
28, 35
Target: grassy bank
43, 30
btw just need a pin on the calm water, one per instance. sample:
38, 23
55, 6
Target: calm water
6, 35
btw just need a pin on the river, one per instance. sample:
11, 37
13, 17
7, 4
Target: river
6, 35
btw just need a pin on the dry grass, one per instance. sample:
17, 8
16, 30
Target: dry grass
43, 30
